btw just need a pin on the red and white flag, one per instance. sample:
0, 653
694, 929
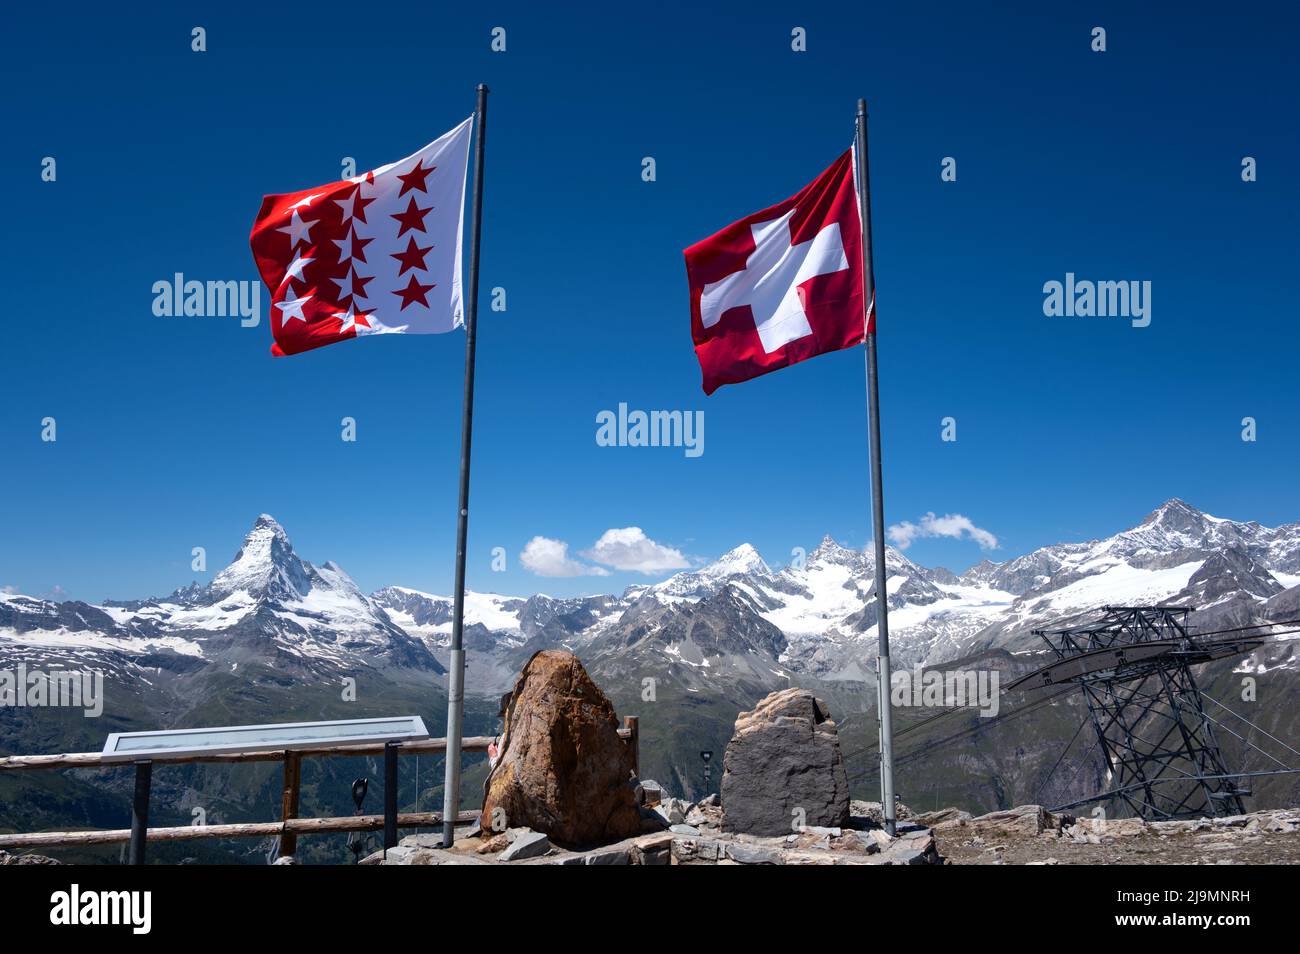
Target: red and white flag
782, 285
375, 254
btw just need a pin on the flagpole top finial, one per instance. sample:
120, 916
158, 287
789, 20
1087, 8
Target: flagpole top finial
862, 107
482, 88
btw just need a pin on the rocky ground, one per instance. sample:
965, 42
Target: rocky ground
1027, 835
1031, 835
688, 835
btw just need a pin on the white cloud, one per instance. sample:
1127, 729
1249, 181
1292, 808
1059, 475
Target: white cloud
626, 548
8, 591
630, 549
951, 525
546, 557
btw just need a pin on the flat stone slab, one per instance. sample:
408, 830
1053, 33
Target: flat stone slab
753, 855
530, 844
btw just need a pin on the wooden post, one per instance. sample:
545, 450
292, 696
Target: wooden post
140, 813
390, 797
631, 725
289, 801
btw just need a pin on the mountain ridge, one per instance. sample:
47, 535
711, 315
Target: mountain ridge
823, 604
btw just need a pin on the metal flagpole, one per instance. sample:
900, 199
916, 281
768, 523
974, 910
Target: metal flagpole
877, 491
456, 665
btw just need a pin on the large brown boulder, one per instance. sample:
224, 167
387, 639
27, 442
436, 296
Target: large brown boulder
563, 768
783, 768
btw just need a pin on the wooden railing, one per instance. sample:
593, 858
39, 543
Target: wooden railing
288, 828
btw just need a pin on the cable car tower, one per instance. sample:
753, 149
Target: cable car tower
1133, 666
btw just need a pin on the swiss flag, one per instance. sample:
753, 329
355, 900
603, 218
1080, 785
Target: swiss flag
782, 285
378, 253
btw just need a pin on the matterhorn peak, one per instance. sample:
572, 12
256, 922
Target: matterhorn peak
265, 564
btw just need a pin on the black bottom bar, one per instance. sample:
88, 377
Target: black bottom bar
1216, 903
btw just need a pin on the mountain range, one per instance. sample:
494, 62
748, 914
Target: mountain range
273, 637
816, 617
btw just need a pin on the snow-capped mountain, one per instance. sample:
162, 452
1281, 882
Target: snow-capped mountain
502, 622
1226, 569
741, 563
80, 636
709, 645
823, 605
429, 616
268, 605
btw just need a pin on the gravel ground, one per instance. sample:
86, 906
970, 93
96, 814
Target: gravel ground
1210, 845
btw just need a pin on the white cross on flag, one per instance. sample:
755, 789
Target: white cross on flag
375, 254
782, 285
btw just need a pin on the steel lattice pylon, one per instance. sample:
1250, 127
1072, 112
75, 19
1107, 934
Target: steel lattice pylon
1133, 666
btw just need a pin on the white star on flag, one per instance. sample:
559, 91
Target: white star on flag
297, 230
295, 268
292, 306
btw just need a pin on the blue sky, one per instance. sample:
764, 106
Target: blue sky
178, 432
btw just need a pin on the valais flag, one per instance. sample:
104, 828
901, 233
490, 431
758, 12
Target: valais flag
375, 254
782, 285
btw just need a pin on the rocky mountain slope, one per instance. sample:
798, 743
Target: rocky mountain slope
1232, 572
